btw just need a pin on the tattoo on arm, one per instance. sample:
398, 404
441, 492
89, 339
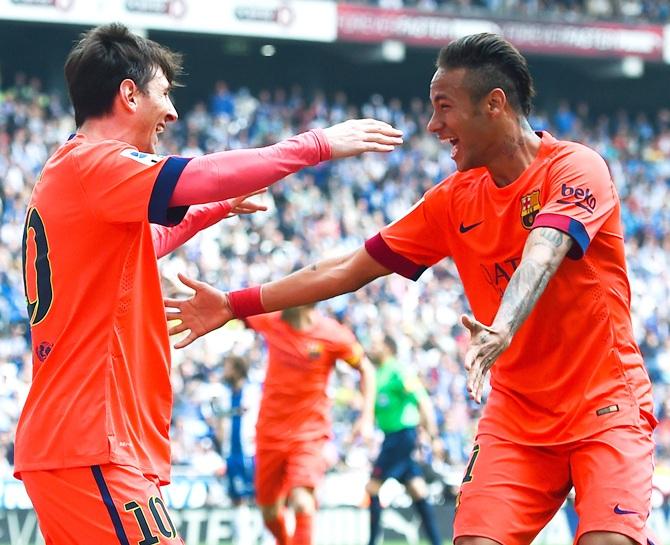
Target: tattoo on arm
544, 252
552, 235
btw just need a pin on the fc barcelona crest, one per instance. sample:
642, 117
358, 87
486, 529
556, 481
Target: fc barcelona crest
314, 350
530, 206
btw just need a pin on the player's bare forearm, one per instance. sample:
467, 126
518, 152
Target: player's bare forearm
544, 251
368, 389
427, 416
322, 280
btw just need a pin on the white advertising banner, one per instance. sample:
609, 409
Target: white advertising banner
309, 20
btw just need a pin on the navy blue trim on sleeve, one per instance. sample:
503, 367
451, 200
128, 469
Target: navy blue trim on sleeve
569, 226
384, 255
109, 504
159, 211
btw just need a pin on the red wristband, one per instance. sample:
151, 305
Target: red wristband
246, 302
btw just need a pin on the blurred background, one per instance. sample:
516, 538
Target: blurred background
261, 70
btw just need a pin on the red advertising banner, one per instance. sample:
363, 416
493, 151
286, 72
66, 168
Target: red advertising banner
365, 24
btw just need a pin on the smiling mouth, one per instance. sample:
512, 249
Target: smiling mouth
454, 146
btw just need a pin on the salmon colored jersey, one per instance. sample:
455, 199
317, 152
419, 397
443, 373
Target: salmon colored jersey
101, 388
295, 405
573, 368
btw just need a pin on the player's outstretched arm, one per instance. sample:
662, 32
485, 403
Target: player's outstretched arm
223, 175
199, 217
209, 308
543, 252
428, 422
364, 426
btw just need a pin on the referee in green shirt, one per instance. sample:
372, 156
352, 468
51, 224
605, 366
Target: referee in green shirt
402, 404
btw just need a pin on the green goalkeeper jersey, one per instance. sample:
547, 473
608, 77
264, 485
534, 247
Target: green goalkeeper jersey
398, 393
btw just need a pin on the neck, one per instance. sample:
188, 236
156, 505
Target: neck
301, 319
515, 153
107, 128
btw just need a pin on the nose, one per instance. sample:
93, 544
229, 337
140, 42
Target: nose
434, 124
172, 114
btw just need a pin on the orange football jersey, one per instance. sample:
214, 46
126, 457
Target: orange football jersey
573, 368
101, 359
295, 405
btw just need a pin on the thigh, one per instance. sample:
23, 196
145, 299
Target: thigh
510, 491
270, 478
306, 465
612, 473
100, 504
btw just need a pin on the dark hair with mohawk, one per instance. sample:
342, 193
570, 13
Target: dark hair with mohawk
491, 62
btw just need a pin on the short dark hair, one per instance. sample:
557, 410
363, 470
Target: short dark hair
103, 58
240, 365
492, 62
391, 344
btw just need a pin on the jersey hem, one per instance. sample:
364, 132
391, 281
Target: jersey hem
86, 462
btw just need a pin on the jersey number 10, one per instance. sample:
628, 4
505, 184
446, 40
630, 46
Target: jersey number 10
36, 268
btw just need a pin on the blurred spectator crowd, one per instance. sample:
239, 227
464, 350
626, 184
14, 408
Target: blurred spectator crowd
650, 11
326, 210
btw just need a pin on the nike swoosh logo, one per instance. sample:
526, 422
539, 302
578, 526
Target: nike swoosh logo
466, 228
620, 511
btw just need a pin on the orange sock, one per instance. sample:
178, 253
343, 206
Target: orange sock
277, 528
303, 529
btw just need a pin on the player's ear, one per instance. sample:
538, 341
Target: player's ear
127, 95
496, 101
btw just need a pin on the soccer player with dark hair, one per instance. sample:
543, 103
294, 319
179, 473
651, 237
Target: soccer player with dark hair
533, 226
294, 419
401, 405
92, 442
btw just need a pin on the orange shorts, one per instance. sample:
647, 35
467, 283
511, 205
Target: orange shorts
511, 491
99, 504
278, 471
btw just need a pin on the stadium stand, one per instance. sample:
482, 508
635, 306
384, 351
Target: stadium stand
330, 209
654, 11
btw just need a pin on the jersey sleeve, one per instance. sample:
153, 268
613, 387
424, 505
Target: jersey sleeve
124, 185
581, 198
343, 344
352, 353
411, 244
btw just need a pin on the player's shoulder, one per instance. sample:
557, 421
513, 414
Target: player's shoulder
333, 330
111, 152
263, 320
568, 151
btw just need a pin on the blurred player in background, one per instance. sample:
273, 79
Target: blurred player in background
94, 427
533, 225
401, 405
241, 410
294, 420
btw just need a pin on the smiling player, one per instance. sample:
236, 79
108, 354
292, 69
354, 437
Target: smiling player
533, 226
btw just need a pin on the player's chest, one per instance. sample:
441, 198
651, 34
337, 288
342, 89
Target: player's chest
304, 353
490, 226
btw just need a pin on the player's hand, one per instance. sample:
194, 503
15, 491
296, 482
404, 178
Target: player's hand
363, 429
244, 204
486, 344
437, 447
357, 136
207, 310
